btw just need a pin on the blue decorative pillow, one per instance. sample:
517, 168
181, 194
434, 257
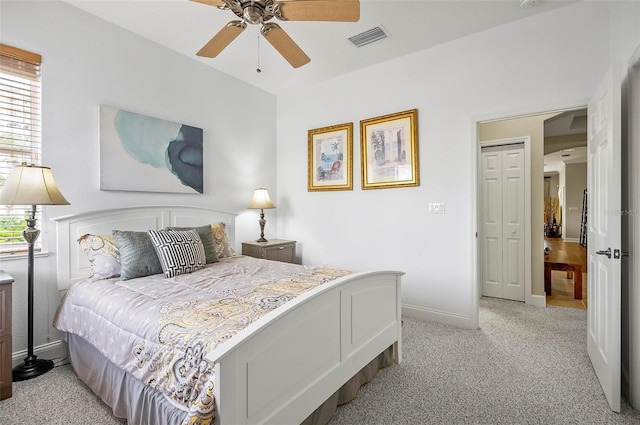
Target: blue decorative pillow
206, 236
137, 255
179, 252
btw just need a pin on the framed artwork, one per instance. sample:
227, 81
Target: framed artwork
331, 158
389, 151
144, 154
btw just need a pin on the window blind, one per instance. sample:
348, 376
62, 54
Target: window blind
20, 138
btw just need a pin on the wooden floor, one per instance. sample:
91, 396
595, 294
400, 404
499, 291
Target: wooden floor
561, 286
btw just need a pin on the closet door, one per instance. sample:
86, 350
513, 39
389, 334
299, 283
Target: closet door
503, 222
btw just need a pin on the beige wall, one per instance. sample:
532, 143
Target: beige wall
576, 183
532, 126
554, 185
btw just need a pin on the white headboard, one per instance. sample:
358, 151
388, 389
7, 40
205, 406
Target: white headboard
71, 261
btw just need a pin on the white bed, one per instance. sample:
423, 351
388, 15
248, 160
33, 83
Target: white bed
339, 327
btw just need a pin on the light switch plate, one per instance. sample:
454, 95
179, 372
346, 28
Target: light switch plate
436, 207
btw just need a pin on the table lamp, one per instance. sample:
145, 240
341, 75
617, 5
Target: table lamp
262, 202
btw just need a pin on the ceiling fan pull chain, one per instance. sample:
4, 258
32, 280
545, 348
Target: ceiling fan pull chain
258, 70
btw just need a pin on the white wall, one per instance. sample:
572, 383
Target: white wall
631, 267
522, 67
87, 62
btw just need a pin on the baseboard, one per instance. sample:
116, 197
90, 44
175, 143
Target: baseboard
536, 300
56, 351
431, 315
576, 240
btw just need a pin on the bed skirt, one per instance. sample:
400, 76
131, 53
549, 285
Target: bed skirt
129, 398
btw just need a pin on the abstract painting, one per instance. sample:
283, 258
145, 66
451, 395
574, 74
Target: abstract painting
145, 154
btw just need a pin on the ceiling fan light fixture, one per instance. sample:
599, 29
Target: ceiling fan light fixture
253, 14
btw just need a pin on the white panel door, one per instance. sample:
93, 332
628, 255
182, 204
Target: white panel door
603, 170
491, 222
502, 176
513, 223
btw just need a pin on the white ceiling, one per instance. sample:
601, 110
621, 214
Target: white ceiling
185, 26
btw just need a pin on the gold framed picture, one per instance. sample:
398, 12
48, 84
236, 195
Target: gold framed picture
389, 150
331, 158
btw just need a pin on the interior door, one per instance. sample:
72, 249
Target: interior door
604, 186
503, 218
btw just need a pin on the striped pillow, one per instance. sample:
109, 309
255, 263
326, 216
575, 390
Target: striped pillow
179, 252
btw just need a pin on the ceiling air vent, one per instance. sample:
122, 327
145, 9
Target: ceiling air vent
368, 36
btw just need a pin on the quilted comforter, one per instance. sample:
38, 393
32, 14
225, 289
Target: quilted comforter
160, 329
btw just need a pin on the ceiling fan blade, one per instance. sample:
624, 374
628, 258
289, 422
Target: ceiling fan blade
320, 10
222, 39
284, 44
216, 3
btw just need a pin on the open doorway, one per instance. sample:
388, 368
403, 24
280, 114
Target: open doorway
563, 130
565, 209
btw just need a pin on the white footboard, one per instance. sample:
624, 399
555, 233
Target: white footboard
282, 367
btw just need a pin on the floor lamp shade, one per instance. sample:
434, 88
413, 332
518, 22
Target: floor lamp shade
261, 201
31, 185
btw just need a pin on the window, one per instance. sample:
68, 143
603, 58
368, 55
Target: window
20, 139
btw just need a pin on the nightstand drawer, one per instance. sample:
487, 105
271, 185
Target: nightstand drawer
6, 389
285, 253
275, 250
5, 305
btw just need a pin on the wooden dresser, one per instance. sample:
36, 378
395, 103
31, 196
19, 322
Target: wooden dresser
275, 249
6, 389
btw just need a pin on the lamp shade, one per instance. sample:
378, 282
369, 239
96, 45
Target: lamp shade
31, 185
261, 199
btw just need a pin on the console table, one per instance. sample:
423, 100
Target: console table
577, 276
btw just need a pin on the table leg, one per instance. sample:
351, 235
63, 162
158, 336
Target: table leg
547, 278
577, 282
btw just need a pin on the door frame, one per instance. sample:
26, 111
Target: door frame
475, 277
526, 142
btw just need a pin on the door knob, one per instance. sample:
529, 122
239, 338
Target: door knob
607, 252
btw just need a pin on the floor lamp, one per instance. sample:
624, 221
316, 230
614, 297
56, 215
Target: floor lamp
31, 185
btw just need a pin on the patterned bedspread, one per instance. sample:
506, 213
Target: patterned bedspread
160, 329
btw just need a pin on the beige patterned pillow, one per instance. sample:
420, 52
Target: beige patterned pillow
223, 247
103, 256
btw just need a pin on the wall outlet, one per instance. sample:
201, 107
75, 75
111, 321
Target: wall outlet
436, 207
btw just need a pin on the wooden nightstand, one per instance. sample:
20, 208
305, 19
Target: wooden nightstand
275, 249
6, 389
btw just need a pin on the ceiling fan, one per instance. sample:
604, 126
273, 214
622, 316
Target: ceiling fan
261, 11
